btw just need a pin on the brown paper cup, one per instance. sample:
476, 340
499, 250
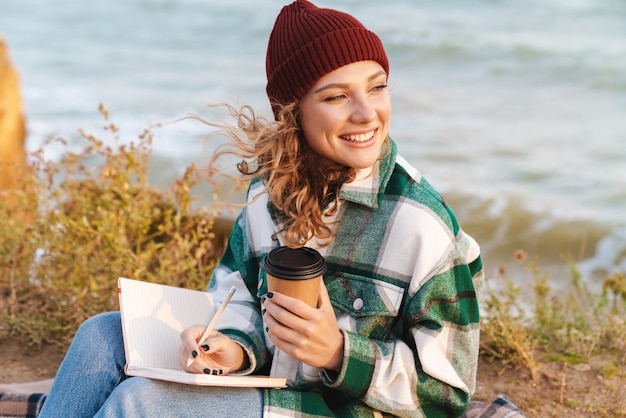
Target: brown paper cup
295, 272
305, 290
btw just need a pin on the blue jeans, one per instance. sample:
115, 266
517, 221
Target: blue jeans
91, 383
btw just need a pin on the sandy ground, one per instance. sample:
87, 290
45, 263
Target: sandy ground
561, 391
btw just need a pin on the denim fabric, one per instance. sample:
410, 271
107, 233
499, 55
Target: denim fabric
91, 382
92, 368
140, 397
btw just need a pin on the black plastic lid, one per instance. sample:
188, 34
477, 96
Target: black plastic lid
294, 263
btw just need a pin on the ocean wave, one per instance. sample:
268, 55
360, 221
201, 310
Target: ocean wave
505, 224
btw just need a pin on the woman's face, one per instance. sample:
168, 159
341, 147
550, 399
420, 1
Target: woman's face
345, 115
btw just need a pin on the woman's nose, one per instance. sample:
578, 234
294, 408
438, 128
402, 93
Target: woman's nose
363, 110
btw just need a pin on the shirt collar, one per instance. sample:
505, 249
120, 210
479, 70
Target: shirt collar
370, 182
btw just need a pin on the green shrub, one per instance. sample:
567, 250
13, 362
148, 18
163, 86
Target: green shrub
74, 226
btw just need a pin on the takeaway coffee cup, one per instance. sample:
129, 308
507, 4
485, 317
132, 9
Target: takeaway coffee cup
295, 272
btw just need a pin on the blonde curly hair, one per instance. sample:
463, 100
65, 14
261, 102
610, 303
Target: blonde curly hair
302, 191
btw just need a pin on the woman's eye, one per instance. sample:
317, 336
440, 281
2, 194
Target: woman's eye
380, 87
335, 98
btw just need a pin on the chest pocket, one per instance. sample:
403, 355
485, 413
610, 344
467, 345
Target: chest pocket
363, 305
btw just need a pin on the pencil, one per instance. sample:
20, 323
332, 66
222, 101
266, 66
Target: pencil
214, 320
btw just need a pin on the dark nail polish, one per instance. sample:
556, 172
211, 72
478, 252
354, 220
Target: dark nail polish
270, 295
194, 354
267, 329
215, 372
262, 299
206, 371
204, 347
263, 311
221, 371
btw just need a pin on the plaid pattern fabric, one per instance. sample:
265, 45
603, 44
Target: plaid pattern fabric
403, 279
21, 405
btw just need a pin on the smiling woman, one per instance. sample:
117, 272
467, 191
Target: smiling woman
396, 327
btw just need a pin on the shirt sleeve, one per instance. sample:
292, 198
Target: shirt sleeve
241, 321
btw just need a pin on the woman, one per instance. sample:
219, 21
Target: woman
397, 325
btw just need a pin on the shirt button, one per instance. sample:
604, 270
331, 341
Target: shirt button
357, 304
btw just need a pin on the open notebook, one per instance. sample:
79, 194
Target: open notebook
153, 315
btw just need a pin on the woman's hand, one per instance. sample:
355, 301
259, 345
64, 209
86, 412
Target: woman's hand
305, 333
218, 355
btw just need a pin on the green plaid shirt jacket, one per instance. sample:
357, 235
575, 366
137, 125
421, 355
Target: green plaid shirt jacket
403, 279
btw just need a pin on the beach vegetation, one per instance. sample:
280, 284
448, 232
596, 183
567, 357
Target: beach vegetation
74, 224
569, 326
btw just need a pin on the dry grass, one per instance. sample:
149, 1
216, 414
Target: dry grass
75, 225
570, 327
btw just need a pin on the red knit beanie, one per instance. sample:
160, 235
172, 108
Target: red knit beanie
308, 42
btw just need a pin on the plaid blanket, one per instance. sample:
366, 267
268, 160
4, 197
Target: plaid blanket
29, 405
20, 405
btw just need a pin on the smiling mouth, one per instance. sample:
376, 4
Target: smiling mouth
359, 137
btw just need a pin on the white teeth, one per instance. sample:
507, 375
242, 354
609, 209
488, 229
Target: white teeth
358, 138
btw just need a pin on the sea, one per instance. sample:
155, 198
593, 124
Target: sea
515, 110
